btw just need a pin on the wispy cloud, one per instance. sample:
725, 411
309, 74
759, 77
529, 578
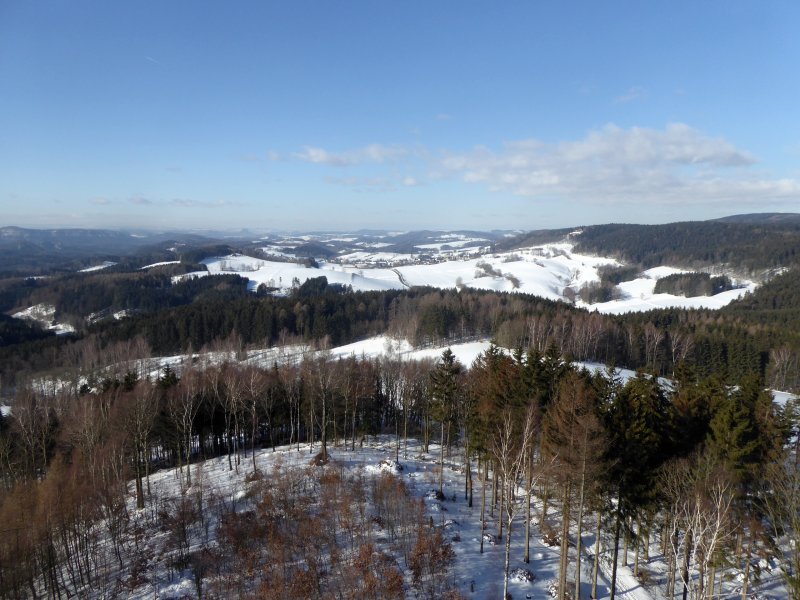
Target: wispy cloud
373, 153
183, 203
188, 203
99, 201
613, 165
374, 185
635, 92
444, 117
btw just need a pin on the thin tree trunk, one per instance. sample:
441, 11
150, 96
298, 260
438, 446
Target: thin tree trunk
596, 565
627, 539
483, 499
508, 557
712, 574
493, 504
500, 512
564, 558
636, 541
617, 526
746, 582
441, 463
686, 565
580, 532
528, 493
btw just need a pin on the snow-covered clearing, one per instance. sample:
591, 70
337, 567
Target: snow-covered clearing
475, 574
551, 271
44, 315
104, 265
640, 295
160, 264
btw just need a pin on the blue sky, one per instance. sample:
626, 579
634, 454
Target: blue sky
343, 115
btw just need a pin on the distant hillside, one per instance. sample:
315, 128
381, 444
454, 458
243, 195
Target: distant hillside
36, 251
762, 219
748, 244
533, 238
746, 248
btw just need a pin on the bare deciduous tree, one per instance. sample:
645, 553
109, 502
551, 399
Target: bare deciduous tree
510, 446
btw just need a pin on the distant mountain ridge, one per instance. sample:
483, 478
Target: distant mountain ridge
754, 245
751, 244
762, 219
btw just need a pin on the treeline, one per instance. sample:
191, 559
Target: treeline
693, 284
606, 289
747, 248
640, 461
18, 331
78, 296
730, 343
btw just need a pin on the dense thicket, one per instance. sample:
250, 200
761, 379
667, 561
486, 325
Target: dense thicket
747, 248
79, 295
693, 284
18, 331
730, 343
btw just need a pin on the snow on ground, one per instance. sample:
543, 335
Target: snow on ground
384, 346
640, 295
476, 575
99, 267
284, 275
44, 314
782, 398
191, 275
452, 242
391, 258
160, 264
278, 251
550, 271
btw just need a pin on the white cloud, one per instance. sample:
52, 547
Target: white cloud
187, 203
612, 165
636, 92
373, 153
100, 201
364, 184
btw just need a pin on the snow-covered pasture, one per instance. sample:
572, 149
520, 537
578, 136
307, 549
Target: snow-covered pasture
550, 271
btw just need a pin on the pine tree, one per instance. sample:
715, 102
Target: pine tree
445, 383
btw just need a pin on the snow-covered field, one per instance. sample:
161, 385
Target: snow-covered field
160, 264
44, 314
551, 271
640, 296
100, 267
